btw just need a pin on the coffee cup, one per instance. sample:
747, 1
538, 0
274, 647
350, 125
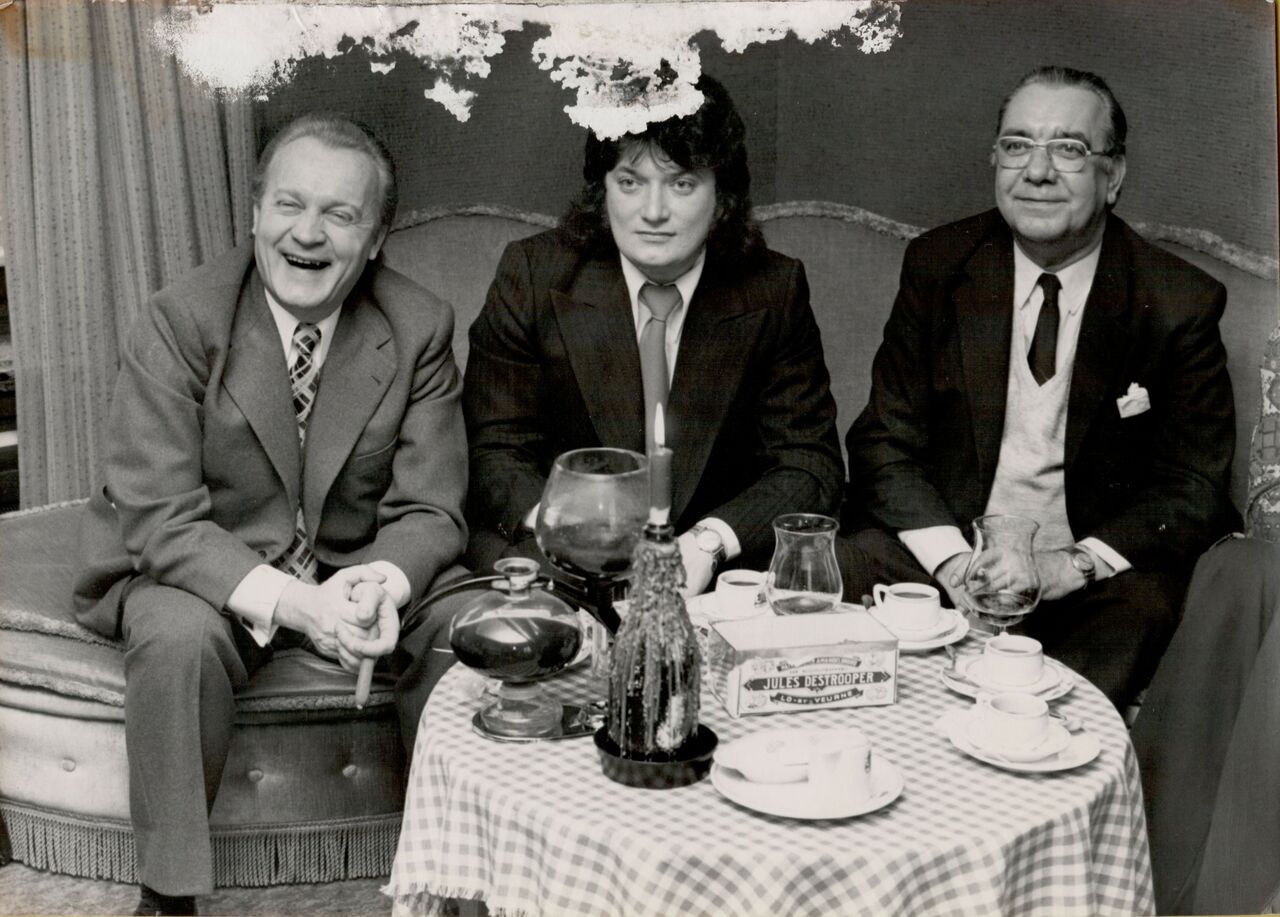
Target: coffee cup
840, 767
1013, 720
740, 594
1012, 659
908, 606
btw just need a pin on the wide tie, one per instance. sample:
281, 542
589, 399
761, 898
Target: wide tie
661, 301
304, 379
1043, 355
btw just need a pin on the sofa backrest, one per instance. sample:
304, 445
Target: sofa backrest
852, 258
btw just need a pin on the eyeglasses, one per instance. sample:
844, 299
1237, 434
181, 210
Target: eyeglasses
1067, 155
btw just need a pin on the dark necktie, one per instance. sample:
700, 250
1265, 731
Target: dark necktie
1043, 355
304, 379
661, 301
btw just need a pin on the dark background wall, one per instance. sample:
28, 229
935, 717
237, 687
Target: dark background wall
904, 133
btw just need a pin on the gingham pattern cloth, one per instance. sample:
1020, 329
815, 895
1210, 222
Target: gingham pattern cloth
304, 379
537, 829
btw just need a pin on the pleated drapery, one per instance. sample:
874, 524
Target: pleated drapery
120, 174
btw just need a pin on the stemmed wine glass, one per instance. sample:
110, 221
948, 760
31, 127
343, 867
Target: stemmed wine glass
593, 508
1001, 580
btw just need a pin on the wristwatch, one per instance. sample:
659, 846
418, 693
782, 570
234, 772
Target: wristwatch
1082, 560
708, 540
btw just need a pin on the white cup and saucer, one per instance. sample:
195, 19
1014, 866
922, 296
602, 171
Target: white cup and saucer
1012, 662
913, 612
1016, 727
806, 773
739, 594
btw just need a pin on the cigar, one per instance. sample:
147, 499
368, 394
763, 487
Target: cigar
363, 681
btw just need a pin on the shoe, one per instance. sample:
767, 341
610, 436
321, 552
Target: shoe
153, 904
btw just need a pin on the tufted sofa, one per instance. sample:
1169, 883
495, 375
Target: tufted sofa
313, 789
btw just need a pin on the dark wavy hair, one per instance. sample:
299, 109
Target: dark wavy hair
714, 138
342, 133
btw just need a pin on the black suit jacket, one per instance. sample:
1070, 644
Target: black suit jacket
554, 366
1151, 486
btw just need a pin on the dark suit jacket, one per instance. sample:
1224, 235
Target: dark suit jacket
1152, 486
202, 466
554, 366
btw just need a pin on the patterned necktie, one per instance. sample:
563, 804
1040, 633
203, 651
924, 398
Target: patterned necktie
1043, 355
304, 379
661, 301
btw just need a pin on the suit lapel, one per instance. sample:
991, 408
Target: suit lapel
720, 330
1103, 342
257, 379
599, 335
984, 316
357, 371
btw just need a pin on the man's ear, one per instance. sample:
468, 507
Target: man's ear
377, 243
1115, 178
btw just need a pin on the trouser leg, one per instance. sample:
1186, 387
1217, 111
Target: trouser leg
1113, 632
874, 556
182, 665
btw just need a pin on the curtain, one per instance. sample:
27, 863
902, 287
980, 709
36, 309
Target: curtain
119, 174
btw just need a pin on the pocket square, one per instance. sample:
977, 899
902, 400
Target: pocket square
1134, 402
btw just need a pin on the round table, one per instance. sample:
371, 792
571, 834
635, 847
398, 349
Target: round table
535, 829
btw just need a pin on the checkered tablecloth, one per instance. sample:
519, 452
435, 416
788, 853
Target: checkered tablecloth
537, 829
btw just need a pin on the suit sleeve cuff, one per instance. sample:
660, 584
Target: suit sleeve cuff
933, 545
254, 601
396, 584
1105, 552
732, 547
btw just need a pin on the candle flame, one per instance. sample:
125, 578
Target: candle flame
659, 428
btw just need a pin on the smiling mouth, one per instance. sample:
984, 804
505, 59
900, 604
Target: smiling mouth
305, 264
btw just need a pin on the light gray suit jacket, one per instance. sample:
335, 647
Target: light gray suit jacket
203, 470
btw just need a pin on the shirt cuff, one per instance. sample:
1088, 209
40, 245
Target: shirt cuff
531, 517
934, 545
732, 547
255, 598
396, 583
1114, 559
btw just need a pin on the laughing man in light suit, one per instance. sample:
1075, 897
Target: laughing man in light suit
1111, 424
557, 358
225, 467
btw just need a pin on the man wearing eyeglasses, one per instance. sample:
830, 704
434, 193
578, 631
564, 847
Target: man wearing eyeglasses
1042, 359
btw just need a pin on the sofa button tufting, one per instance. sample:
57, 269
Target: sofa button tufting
68, 765
255, 775
350, 771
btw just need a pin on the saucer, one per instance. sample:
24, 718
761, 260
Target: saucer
1056, 681
1081, 747
948, 619
1054, 742
800, 800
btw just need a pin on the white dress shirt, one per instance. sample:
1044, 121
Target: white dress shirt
255, 597
933, 545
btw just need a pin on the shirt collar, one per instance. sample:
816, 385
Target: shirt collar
1076, 279
686, 283
286, 323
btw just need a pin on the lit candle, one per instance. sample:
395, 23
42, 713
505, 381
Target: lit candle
659, 473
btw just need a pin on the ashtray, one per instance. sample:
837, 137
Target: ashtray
686, 765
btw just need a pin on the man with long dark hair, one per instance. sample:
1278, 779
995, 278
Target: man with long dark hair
657, 290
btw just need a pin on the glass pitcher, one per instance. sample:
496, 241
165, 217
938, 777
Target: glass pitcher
1001, 579
803, 577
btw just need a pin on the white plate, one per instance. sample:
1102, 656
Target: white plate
1056, 681
948, 620
800, 800
1057, 739
956, 628
1082, 748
